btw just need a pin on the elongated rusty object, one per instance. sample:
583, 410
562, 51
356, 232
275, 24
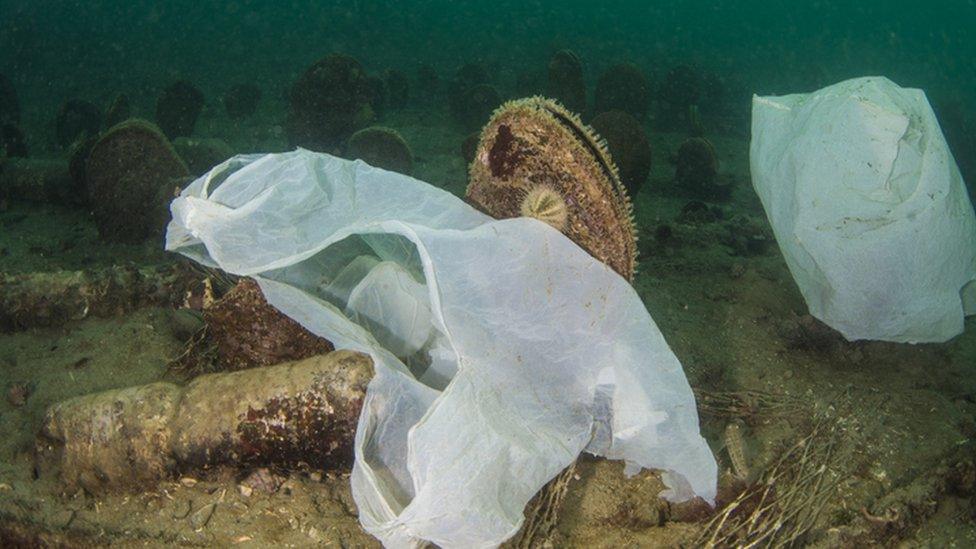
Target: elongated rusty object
287, 415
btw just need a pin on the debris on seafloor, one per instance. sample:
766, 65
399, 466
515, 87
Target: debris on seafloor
291, 415
786, 500
44, 299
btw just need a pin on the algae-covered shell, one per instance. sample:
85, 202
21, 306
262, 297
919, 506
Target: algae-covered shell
535, 142
130, 175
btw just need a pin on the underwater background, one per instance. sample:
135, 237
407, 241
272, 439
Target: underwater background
53, 50
820, 441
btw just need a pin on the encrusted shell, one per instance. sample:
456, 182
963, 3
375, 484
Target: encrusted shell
535, 141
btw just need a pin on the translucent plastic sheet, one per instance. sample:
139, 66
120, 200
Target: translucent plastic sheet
502, 349
868, 208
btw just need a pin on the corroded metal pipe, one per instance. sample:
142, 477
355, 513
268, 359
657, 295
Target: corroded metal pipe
298, 413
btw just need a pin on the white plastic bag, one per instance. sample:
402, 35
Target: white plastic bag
520, 352
868, 208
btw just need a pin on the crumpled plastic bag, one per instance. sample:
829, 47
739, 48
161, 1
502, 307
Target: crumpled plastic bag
502, 350
869, 209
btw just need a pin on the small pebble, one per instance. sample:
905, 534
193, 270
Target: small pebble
245, 490
189, 482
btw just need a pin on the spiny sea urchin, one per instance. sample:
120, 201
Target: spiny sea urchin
546, 205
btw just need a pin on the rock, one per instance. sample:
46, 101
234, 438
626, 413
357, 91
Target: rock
628, 145
9, 104
119, 111
77, 120
249, 333
382, 148
178, 108
535, 143
328, 103
623, 87
131, 174
202, 154
566, 83
241, 101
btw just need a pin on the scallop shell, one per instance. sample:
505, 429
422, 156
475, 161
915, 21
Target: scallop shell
535, 141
